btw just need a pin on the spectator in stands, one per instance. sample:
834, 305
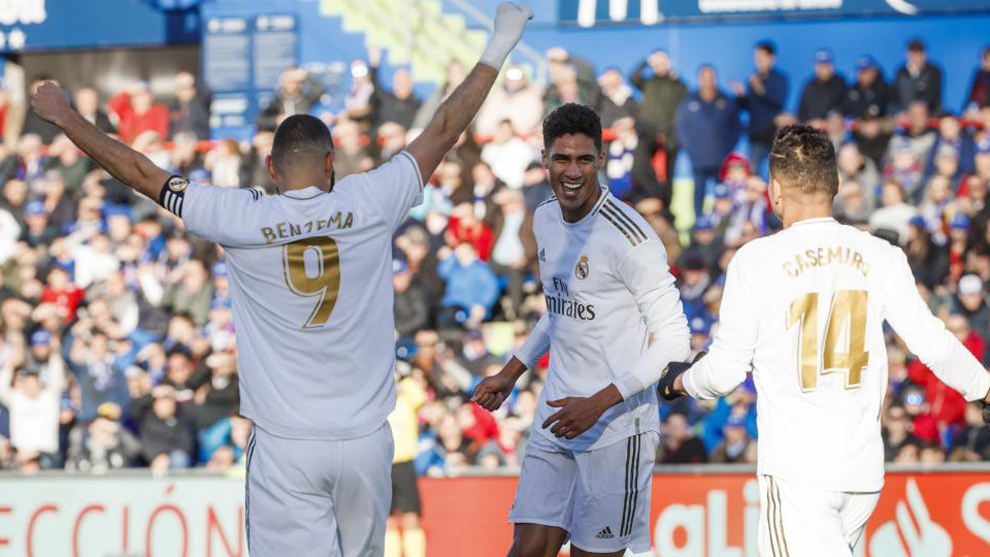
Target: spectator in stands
515, 247
516, 99
411, 310
297, 92
189, 291
507, 155
100, 380
358, 102
854, 167
896, 432
137, 112
919, 132
410, 396
88, 105
33, 125
572, 79
617, 98
872, 135
895, 212
734, 446
708, 125
663, 92
189, 112
918, 80
398, 105
979, 89
972, 442
33, 403
763, 98
954, 141
869, 94
679, 445
971, 302
167, 441
824, 92
350, 156
102, 446
472, 287
905, 167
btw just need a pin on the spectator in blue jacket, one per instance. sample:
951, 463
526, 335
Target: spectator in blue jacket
98, 374
472, 287
708, 126
763, 97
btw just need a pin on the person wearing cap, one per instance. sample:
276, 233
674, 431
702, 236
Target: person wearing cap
824, 92
137, 112
708, 127
663, 91
736, 441
869, 93
37, 230
970, 301
706, 244
763, 97
918, 80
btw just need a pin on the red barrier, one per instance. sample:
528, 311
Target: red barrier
934, 514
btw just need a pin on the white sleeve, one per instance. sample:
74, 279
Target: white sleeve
220, 215
926, 336
731, 353
536, 344
396, 187
645, 273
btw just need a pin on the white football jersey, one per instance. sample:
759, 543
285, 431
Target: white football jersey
608, 288
311, 284
804, 309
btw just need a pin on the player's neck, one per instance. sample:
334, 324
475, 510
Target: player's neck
305, 181
795, 213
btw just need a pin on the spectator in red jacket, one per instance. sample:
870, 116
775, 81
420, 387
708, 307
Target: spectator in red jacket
137, 112
62, 293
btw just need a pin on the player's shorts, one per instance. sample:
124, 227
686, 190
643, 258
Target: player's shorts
808, 522
601, 497
317, 498
405, 492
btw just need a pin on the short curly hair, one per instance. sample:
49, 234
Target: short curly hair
804, 158
572, 118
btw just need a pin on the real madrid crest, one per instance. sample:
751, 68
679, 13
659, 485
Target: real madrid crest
581, 270
177, 183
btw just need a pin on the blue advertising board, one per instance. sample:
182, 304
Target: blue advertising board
39, 25
243, 57
587, 13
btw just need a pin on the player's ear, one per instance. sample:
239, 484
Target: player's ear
328, 161
601, 158
270, 167
545, 158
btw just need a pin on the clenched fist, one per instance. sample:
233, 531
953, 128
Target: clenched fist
50, 102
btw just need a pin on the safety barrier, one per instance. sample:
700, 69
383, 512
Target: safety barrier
696, 511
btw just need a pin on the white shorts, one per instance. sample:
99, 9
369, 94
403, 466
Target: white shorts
806, 522
316, 497
601, 497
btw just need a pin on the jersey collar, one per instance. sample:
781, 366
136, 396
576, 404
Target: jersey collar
819, 220
304, 194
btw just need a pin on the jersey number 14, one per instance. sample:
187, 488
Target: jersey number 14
841, 353
322, 281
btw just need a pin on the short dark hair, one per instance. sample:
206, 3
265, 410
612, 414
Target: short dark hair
572, 118
300, 137
767, 46
803, 157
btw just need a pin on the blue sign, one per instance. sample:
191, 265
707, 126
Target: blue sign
243, 57
35, 25
587, 13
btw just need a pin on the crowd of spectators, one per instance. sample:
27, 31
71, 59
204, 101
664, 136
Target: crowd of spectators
117, 345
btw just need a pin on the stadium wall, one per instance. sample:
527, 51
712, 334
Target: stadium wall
696, 511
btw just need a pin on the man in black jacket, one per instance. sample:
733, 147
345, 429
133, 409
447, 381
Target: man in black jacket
869, 93
918, 80
297, 93
823, 93
763, 97
166, 434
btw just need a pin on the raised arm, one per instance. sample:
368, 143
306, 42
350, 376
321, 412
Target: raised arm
128, 166
455, 113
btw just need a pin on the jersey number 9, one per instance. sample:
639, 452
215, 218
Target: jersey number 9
842, 352
320, 278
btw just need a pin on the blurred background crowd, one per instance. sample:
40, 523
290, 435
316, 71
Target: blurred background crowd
117, 345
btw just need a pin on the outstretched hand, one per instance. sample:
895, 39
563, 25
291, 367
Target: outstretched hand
50, 102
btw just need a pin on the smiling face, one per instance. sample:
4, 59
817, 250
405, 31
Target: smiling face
573, 162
